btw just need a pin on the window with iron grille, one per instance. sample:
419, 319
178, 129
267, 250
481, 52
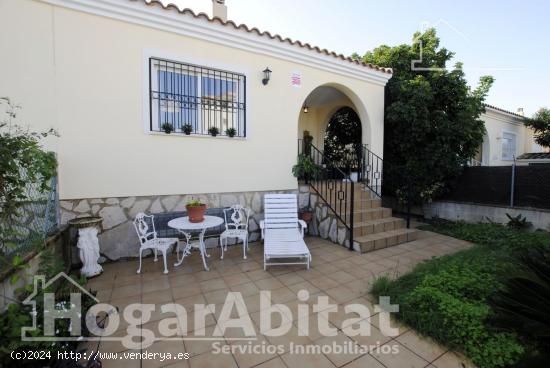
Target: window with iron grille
190, 95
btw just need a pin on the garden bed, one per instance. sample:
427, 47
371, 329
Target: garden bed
450, 298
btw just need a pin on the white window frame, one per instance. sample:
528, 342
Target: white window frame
515, 148
178, 58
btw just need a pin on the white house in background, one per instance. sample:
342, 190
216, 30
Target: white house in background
506, 138
107, 74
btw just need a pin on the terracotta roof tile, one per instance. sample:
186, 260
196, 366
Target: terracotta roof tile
276, 37
502, 110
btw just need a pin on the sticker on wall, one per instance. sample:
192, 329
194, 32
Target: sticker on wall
296, 79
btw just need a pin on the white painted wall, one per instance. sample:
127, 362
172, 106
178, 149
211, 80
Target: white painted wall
83, 75
496, 124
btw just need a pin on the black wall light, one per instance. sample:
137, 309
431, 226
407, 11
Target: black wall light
267, 75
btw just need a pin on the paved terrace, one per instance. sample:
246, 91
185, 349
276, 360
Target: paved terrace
342, 275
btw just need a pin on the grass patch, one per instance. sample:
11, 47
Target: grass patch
447, 298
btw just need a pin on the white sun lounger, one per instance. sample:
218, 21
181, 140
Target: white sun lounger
282, 232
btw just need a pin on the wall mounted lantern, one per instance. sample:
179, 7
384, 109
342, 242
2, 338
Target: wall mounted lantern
267, 75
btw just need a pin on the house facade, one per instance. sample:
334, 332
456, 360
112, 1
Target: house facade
111, 75
506, 138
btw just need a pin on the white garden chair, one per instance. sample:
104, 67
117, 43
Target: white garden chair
236, 226
145, 228
282, 232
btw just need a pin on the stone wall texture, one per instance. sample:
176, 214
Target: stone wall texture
324, 223
118, 238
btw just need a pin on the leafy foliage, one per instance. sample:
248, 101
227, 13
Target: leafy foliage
518, 222
23, 162
451, 298
214, 131
230, 132
522, 304
194, 203
342, 143
19, 315
432, 124
167, 128
540, 123
187, 129
305, 168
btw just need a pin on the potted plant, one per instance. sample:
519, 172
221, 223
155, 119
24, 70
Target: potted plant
214, 131
195, 210
167, 127
306, 213
305, 168
230, 132
187, 129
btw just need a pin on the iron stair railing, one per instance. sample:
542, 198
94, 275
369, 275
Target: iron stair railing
372, 167
332, 185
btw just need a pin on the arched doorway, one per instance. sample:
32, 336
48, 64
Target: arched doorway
342, 141
321, 104
332, 121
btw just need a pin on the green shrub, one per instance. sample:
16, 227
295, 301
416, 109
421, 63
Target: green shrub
381, 286
449, 297
460, 324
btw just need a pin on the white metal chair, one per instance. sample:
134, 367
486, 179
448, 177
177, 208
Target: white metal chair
145, 228
282, 232
236, 226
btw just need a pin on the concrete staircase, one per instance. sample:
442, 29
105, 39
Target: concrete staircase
374, 226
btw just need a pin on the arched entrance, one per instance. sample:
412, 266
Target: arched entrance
342, 141
331, 120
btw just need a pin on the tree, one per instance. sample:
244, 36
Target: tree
540, 123
342, 142
432, 124
24, 163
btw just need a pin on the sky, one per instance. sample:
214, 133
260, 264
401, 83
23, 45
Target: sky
506, 39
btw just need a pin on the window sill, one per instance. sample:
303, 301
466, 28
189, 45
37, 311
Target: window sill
176, 134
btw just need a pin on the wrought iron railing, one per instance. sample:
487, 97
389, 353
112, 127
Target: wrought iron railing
332, 185
371, 171
193, 99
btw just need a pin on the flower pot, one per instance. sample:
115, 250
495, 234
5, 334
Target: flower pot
306, 216
196, 213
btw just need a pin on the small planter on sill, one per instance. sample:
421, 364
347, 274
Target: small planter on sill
167, 128
187, 129
230, 132
213, 131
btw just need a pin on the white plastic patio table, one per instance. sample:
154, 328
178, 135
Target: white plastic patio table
183, 225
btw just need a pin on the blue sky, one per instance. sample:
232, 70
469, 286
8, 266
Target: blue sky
506, 39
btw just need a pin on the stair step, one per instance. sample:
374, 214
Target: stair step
369, 214
371, 242
359, 203
377, 226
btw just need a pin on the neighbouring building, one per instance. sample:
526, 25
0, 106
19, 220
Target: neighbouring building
506, 138
111, 75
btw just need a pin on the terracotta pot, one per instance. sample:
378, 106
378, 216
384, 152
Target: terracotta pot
196, 213
306, 216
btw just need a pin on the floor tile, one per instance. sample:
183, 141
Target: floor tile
403, 358
213, 360
427, 349
339, 341
306, 361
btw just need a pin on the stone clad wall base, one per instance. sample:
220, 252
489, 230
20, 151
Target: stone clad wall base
324, 223
469, 212
118, 238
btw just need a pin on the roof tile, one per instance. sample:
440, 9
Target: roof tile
230, 23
